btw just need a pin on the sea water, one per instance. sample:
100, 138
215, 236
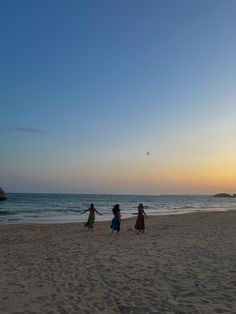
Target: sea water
56, 208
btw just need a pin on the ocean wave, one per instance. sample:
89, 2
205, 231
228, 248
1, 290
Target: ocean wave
56, 207
74, 210
6, 212
185, 207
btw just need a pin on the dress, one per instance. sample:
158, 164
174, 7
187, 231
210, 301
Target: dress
115, 223
140, 222
91, 219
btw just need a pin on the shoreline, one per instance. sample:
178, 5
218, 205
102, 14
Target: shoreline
108, 217
182, 263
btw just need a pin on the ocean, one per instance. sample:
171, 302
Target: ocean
60, 208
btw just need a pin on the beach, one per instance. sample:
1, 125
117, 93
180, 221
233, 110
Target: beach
181, 264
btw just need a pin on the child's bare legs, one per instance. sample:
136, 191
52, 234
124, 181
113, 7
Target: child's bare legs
117, 232
140, 231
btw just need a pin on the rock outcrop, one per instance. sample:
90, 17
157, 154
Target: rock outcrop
3, 195
224, 195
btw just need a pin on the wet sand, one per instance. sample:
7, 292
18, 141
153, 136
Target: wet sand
181, 264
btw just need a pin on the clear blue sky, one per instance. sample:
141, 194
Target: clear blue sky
87, 87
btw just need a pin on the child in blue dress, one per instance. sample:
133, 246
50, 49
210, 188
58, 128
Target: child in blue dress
116, 221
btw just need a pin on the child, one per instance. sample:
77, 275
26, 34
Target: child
140, 226
91, 217
115, 224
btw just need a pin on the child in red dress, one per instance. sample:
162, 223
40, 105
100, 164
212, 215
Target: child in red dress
140, 225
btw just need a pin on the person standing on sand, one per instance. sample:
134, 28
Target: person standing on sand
91, 217
116, 221
140, 225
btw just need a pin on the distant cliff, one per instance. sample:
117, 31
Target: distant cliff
224, 195
3, 195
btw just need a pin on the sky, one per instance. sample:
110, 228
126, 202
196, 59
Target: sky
87, 88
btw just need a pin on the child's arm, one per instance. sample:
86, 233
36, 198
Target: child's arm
145, 214
84, 211
134, 213
98, 212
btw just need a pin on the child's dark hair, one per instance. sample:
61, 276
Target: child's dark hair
116, 208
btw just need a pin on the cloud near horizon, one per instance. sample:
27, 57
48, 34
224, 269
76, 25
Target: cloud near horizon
8, 130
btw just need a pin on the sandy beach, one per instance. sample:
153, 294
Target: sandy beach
181, 264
